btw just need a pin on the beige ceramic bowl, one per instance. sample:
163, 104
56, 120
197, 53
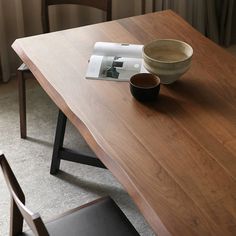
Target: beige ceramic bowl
167, 58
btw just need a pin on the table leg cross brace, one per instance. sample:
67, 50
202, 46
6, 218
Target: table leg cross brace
61, 153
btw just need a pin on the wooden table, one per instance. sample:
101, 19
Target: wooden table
175, 157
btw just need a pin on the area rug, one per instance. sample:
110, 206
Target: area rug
30, 159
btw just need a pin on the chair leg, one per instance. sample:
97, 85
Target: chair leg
16, 219
22, 103
58, 142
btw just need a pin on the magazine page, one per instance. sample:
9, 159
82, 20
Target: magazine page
115, 61
114, 68
118, 49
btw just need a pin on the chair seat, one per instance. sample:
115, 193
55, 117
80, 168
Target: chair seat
103, 218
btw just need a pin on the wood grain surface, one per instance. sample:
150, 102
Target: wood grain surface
176, 157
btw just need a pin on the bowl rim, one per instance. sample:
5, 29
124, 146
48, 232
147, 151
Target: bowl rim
167, 62
157, 79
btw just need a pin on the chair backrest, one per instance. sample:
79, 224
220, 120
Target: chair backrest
19, 212
104, 5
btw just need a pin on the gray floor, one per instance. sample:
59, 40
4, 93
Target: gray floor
30, 160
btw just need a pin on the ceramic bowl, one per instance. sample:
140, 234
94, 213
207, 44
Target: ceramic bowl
167, 58
145, 87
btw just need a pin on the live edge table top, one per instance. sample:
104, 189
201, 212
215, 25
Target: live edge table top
176, 157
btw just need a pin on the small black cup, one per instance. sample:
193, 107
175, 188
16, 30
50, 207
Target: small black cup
145, 87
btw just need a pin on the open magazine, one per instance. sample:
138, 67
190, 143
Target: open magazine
115, 61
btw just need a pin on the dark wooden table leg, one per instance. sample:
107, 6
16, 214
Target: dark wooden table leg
58, 142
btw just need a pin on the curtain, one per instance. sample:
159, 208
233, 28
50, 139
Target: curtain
226, 13
19, 18
213, 18
4, 58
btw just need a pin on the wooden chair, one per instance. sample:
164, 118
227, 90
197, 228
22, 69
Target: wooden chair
103, 5
101, 217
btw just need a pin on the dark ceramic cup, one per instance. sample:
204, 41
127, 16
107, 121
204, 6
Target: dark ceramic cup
145, 87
